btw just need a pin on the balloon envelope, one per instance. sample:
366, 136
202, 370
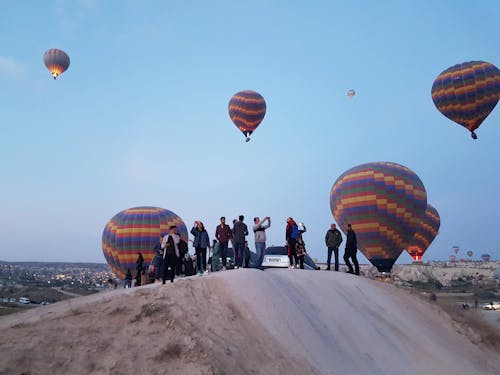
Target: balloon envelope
351, 93
469, 253
56, 61
384, 203
247, 110
428, 228
137, 230
455, 249
466, 93
453, 258
486, 257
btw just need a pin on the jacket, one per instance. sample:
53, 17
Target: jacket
240, 230
333, 238
289, 230
200, 238
223, 233
170, 243
259, 231
351, 242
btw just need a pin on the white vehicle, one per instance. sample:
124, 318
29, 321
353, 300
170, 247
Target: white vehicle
277, 256
491, 306
24, 300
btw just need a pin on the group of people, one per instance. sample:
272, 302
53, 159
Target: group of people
172, 257
333, 239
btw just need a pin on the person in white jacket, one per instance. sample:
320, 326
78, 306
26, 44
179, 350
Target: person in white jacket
259, 230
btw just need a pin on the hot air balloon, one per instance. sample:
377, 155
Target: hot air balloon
453, 258
427, 230
455, 249
56, 61
137, 230
351, 93
384, 202
466, 93
469, 254
485, 257
247, 110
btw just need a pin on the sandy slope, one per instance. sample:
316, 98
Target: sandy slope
239, 322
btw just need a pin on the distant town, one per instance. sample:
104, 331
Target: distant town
27, 284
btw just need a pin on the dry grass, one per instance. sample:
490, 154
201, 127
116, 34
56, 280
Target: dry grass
473, 325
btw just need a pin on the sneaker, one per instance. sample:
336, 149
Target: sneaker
327, 269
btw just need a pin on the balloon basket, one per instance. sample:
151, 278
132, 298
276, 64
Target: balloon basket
385, 277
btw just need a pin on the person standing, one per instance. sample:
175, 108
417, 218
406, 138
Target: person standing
259, 230
128, 279
138, 269
333, 239
200, 243
170, 253
351, 248
291, 233
223, 234
240, 230
300, 246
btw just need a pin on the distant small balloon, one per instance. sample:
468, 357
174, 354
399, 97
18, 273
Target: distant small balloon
456, 249
453, 258
469, 253
351, 93
56, 61
485, 257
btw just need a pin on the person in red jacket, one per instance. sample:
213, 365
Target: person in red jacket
292, 232
223, 234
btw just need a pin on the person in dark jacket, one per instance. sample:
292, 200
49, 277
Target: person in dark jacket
240, 231
201, 242
138, 269
300, 246
171, 253
128, 279
333, 239
223, 234
351, 248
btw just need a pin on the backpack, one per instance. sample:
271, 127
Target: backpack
188, 266
295, 231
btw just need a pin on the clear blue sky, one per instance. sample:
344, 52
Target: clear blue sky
140, 118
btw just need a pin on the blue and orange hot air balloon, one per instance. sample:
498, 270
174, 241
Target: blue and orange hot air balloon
384, 203
137, 230
466, 93
427, 230
247, 110
56, 61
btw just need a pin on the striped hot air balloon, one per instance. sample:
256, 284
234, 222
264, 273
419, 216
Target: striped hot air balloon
428, 228
466, 93
56, 61
384, 202
247, 110
137, 230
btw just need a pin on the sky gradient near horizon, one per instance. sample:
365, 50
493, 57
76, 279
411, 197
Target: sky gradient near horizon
140, 118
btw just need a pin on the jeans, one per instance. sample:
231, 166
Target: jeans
352, 255
259, 249
239, 253
292, 251
223, 252
336, 253
201, 259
